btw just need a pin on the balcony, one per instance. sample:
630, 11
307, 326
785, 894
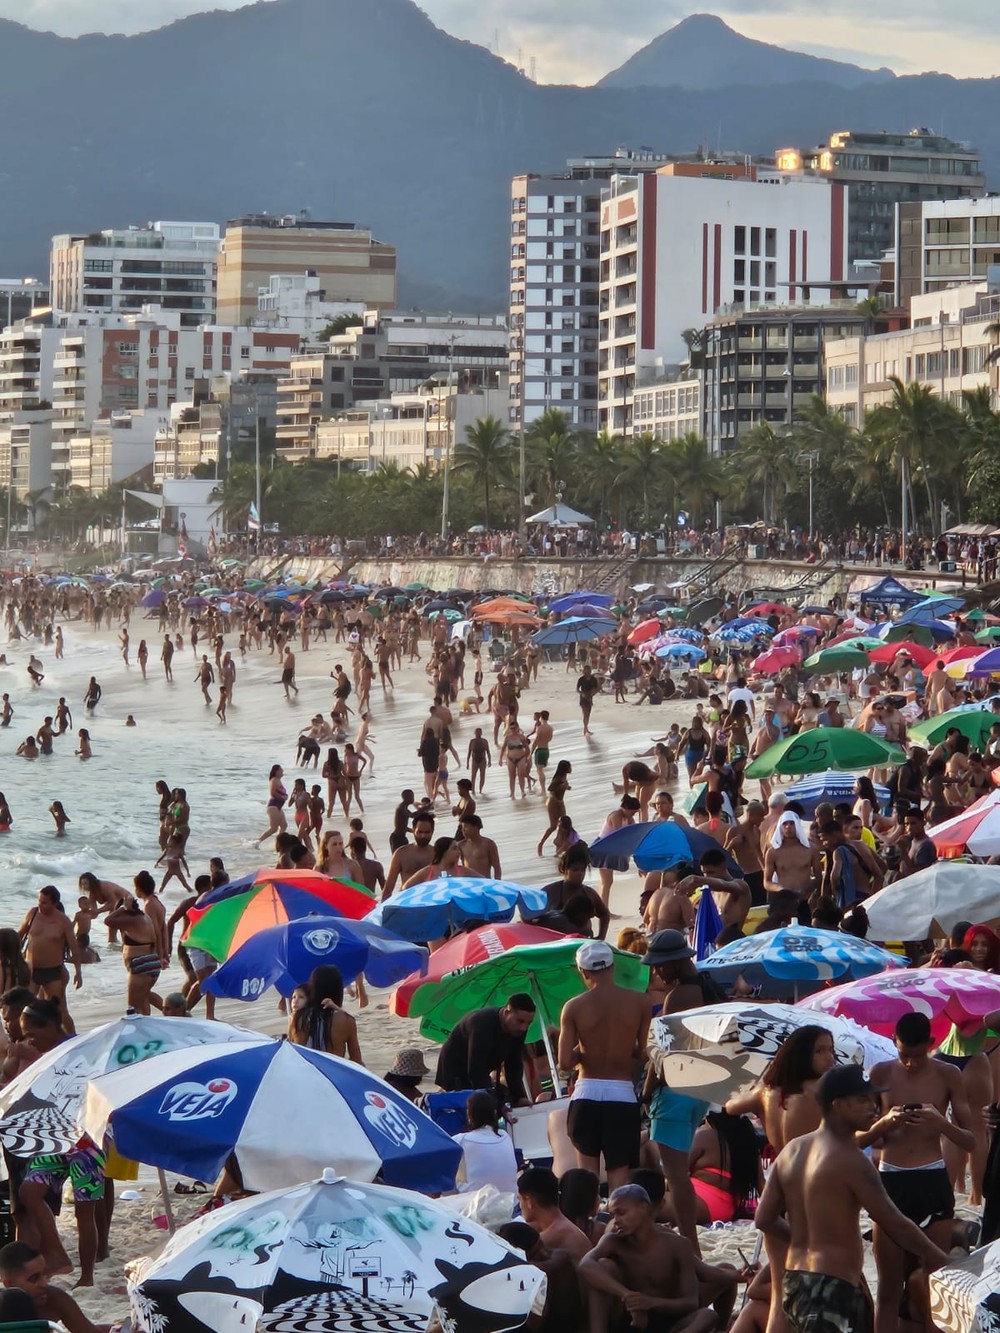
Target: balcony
806, 370
806, 342
751, 344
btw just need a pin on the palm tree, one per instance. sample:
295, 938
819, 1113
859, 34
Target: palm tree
921, 429
766, 460
603, 465
38, 504
485, 451
552, 448
700, 476
643, 467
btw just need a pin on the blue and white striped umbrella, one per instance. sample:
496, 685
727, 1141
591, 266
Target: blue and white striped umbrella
428, 911
691, 651
833, 785
797, 955
281, 1108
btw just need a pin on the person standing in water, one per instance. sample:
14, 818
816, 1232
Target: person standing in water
93, 695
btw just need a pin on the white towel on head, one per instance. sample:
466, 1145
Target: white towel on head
786, 817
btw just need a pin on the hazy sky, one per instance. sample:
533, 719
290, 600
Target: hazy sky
579, 40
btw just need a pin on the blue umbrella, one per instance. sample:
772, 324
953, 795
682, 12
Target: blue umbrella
155, 597
429, 911
833, 785
603, 599
689, 634
707, 926
935, 607
574, 629
940, 629
284, 956
689, 650
655, 846
283, 1109
798, 955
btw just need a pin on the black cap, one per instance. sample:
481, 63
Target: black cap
667, 946
844, 1081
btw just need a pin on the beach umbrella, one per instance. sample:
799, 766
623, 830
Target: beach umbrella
570, 600
976, 830
890, 651
798, 956
646, 629
707, 926
931, 902
934, 604
914, 631
839, 657
39, 1108
712, 1052
988, 635
195, 602
823, 748
965, 1293
586, 611
155, 597
355, 901
775, 659
460, 594
947, 995
546, 972
495, 605
431, 910
833, 785
416, 586
575, 629
865, 641
657, 845
280, 1107
466, 949
771, 609
986, 664
794, 634
284, 956
229, 562
334, 1255
698, 612
975, 723
690, 651
959, 654
222, 926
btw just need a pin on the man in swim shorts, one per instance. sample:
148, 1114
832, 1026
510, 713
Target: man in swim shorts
83, 1167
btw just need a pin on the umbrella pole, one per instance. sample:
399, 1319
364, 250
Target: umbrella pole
168, 1211
545, 1036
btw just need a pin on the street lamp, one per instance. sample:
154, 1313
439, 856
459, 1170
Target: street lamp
809, 456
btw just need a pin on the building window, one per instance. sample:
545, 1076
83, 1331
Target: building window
755, 240
770, 243
740, 240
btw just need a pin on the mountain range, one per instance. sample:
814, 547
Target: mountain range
363, 110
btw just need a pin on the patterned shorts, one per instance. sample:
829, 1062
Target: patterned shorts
83, 1167
818, 1303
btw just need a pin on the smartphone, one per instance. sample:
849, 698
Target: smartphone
913, 1106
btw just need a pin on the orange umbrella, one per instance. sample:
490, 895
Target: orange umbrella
646, 629
486, 609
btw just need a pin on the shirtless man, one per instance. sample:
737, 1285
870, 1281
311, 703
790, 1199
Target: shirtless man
542, 734
478, 758
813, 1200
917, 1093
23, 1267
479, 854
670, 907
167, 657
851, 870
743, 842
647, 1269
732, 896
414, 856
288, 671
64, 718
937, 680
791, 862
784, 709
538, 1196
602, 1034
205, 677
44, 736
49, 934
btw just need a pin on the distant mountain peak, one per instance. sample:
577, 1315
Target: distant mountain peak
703, 52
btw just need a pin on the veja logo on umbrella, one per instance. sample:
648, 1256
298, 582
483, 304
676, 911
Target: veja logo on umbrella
320, 940
198, 1101
390, 1119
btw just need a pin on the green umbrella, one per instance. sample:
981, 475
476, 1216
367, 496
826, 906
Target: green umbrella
254, 583
910, 631
977, 613
416, 586
229, 562
841, 657
972, 722
824, 748
212, 592
547, 972
991, 634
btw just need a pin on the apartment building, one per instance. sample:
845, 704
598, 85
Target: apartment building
346, 260
193, 436
764, 364
19, 297
690, 239
297, 301
389, 352
115, 447
406, 429
669, 406
948, 349
25, 451
169, 264
942, 245
881, 170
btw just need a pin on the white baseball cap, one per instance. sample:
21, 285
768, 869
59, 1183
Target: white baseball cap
595, 956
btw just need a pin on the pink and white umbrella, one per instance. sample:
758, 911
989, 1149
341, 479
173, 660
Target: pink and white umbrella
776, 659
946, 995
976, 830
793, 635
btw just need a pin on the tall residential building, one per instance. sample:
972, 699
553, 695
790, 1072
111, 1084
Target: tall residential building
554, 256
25, 451
19, 297
349, 263
765, 364
389, 352
682, 243
169, 264
946, 244
881, 170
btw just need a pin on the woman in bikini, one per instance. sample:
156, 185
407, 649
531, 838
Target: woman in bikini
332, 861
785, 1098
555, 804
142, 922
354, 766
336, 781
725, 1168
276, 798
323, 1024
515, 751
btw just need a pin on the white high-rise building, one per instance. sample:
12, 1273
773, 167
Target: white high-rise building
169, 264
681, 243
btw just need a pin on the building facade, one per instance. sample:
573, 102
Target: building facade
882, 170
682, 243
669, 408
764, 365
25, 451
942, 245
19, 298
347, 261
297, 301
169, 264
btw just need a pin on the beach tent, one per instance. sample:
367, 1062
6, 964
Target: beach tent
888, 592
562, 516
